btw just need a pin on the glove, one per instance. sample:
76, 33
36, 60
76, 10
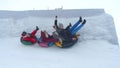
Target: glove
37, 28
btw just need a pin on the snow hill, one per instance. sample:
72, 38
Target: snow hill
97, 46
99, 24
51, 13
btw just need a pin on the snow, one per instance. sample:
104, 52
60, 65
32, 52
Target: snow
97, 46
91, 53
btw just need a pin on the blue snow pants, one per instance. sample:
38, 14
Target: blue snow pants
77, 26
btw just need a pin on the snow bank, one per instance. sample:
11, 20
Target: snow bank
51, 13
86, 54
93, 49
99, 24
100, 27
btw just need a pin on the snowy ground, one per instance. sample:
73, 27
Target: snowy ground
86, 54
96, 48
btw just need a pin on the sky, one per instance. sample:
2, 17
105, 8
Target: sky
51, 4
110, 6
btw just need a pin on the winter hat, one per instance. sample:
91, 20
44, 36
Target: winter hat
24, 33
60, 25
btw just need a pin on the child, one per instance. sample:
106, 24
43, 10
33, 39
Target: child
30, 36
47, 37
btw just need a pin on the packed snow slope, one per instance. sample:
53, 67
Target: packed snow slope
85, 54
94, 49
99, 26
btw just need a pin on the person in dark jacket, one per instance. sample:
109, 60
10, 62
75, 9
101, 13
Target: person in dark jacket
68, 33
30, 37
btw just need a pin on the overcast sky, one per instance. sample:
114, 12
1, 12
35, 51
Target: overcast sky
67, 4
110, 6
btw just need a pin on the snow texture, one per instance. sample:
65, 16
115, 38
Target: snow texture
93, 49
85, 54
99, 24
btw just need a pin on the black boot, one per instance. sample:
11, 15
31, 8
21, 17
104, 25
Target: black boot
84, 21
80, 19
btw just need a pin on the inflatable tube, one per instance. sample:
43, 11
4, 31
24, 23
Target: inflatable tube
65, 44
44, 44
26, 42
68, 44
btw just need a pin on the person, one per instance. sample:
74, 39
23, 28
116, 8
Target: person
68, 33
55, 19
30, 37
77, 26
47, 37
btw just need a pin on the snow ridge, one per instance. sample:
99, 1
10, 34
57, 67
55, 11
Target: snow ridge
99, 24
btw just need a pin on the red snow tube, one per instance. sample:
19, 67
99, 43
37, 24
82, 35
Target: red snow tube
27, 42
